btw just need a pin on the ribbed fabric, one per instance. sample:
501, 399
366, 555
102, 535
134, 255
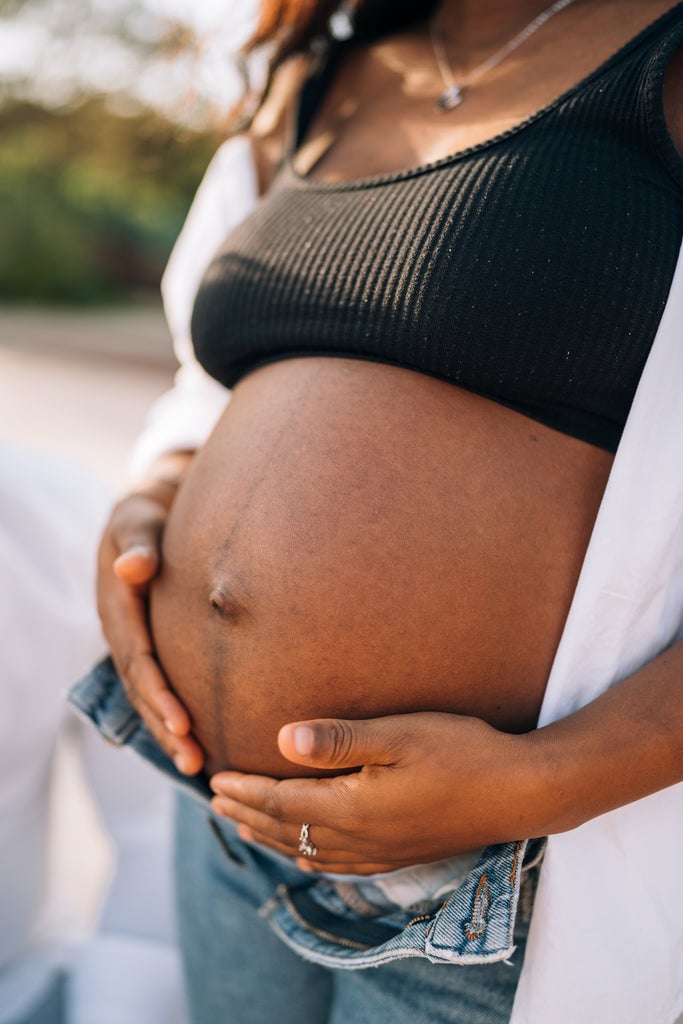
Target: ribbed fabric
532, 268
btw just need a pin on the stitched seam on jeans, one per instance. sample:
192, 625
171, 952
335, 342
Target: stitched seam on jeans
475, 928
318, 932
417, 920
515, 862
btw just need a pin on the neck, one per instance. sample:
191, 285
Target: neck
477, 22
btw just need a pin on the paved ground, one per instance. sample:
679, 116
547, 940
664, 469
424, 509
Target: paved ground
136, 333
79, 385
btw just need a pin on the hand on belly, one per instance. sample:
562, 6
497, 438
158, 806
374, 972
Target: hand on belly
432, 786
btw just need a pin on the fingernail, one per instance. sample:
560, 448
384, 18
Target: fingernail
139, 549
304, 740
175, 728
173, 716
181, 763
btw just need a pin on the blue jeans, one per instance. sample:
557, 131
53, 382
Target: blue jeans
50, 1008
263, 941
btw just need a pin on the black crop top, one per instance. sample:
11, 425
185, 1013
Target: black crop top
532, 268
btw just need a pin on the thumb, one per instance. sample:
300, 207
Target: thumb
339, 743
137, 564
137, 526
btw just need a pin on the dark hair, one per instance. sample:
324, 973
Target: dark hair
289, 27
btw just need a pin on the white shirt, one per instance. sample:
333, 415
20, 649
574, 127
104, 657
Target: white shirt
606, 944
183, 418
51, 515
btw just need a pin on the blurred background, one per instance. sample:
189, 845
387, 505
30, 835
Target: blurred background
109, 113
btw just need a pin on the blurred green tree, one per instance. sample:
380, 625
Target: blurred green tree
91, 200
94, 184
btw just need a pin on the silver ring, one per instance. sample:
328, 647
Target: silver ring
306, 847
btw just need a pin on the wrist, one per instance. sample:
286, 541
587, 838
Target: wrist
573, 766
623, 746
551, 794
537, 779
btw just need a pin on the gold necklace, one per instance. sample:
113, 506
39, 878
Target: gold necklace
453, 94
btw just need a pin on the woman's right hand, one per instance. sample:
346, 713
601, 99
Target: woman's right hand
129, 559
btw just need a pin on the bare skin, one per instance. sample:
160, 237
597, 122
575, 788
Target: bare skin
395, 82
390, 85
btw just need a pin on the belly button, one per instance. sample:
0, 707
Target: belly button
221, 602
224, 602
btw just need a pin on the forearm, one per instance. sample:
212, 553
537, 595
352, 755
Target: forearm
626, 744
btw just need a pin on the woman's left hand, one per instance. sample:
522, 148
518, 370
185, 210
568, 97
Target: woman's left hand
430, 786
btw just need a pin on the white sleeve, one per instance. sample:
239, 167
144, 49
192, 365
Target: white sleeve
184, 417
130, 969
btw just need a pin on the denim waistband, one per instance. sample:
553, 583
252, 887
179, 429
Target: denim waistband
357, 924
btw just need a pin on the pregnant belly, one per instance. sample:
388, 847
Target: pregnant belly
358, 539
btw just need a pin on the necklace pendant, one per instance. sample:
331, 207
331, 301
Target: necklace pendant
449, 99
